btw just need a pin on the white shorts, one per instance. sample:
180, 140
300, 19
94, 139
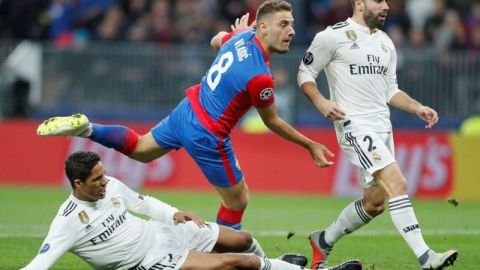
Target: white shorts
368, 151
172, 244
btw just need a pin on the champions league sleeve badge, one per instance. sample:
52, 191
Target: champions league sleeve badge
266, 93
308, 58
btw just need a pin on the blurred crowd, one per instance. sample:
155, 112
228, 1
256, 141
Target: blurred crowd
441, 24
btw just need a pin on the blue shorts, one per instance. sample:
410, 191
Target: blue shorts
213, 155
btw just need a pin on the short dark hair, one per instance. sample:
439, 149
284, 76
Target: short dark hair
79, 165
271, 6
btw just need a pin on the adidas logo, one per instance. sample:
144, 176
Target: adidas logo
354, 46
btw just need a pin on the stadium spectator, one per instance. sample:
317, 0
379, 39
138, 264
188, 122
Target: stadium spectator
239, 77
23, 19
329, 12
95, 224
398, 17
473, 26
434, 22
161, 21
360, 65
186, 21
109, 28
419, 11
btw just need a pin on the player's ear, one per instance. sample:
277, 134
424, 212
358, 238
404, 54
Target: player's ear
77, 182
262, 27
359, 4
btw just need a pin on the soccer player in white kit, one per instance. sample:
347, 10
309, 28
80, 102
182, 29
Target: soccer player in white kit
359, 61
95, 224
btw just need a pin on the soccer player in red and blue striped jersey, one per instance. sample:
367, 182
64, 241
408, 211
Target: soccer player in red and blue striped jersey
238, 78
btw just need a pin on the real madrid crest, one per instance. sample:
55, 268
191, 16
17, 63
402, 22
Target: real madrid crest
376, 156
115, 202
83, 217
176, 258
351, 35
384, 48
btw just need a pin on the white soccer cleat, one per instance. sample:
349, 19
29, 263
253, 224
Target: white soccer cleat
438, 261
74, 125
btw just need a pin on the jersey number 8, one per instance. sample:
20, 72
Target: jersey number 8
225, 61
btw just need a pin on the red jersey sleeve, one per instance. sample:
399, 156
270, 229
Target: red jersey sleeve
228, 36
260, 89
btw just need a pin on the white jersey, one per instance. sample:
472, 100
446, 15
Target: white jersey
104, 233
360, 67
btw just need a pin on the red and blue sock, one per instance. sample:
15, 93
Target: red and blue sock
120, 138
229, 217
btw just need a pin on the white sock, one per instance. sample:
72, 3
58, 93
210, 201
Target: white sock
406, 223
255, 249
276, 264
350, 219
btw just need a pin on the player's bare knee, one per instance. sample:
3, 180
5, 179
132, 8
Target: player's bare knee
245, 240
374, 208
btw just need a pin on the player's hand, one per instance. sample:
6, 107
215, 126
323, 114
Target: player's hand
331, 110
318, 152
242, 23
182, 217
428, 114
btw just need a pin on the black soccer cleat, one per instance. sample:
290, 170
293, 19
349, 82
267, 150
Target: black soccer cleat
297, 259
348, 265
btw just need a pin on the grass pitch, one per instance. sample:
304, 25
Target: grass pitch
25, 214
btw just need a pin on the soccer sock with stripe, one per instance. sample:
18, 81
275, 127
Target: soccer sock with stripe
120, 138
276, 264
229, 217
256, 249
350, 219
405, 221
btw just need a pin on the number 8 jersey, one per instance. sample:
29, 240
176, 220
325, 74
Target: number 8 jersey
239, 77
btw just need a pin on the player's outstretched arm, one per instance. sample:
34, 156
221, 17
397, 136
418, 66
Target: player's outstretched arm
404, 102
283, 129
216, 41
182, 217
328, 108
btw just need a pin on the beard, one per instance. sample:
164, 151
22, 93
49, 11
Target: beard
372, 20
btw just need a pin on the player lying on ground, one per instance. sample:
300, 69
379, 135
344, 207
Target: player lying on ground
95, 224
239, 78
360, 61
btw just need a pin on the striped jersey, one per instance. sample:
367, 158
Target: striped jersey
360, 67
238, 78
104, 233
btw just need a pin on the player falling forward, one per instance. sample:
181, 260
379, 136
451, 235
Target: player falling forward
360, 64
95, 224
239, 77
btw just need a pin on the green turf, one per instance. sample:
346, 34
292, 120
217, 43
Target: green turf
25, 214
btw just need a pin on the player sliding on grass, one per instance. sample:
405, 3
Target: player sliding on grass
239, 77
360, 64
95, 224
